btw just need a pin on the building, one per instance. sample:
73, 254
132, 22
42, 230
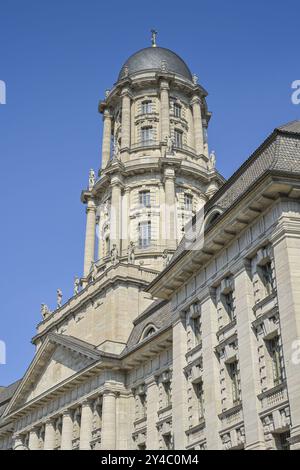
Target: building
185, 333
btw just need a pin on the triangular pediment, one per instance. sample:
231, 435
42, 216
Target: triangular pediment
58, 358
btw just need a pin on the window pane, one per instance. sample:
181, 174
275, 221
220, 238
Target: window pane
147, 107
188, 202
178, 138
147, 135
144, 198
144, 234
177, 110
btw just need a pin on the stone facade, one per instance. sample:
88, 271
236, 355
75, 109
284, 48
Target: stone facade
171, 346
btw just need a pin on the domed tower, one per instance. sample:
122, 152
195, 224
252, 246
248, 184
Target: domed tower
155, 171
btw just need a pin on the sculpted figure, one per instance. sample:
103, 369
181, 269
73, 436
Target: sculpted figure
116, 148
131, 253
114, 254
76, 285
94, 272
170, 144
44, 310
91, 179
212, 161
59, 297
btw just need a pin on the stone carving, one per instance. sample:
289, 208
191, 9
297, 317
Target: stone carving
107, 93
195, 79
163, 66
76, 285
166, 257
114, 254
170, 145
153, 37
116, 149
45, 310
59, 297
131, 253
126, 71
93, 272
92, 177
212, 161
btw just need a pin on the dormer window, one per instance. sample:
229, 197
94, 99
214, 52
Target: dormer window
147, 107
177, 110
148, 331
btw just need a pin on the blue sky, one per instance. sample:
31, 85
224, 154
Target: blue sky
57, 58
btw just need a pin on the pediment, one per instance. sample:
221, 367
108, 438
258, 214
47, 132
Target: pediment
59, 358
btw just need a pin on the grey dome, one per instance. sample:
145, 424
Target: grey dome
151, 58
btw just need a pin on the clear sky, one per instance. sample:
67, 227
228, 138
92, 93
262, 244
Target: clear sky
57, 58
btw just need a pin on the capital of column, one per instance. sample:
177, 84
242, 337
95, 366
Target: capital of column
107, 115
126, 92
195, 100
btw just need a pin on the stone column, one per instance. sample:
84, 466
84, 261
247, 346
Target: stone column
89, 248
248, 359
170, 206
179, 391
108, 433
126, 106
86, 426
211, 378
49, 441
125, 229
287, 267
18, 443
198, 129
164, 110
67, 430
152, 408
33, 440
106, 139
162, 217
115, 222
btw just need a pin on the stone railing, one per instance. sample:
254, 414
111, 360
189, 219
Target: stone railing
274, 396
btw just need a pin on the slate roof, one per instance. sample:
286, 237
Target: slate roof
6, 394
158, 315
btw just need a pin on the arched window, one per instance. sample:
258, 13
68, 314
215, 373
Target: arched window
212, 217
148, 331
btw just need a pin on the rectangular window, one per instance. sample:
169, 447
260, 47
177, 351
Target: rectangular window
188, 202
234, 377
147, 107
144, 198
177, 110
274, 350
200, 399
144, 234
177, 138
147, 135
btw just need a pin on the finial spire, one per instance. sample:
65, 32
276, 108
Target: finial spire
153, 37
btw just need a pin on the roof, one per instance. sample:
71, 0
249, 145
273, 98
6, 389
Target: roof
151, 58
6, 394
158, 315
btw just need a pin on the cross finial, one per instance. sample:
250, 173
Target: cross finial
153, 37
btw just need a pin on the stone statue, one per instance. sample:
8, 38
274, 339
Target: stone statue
170, 145
131, 253
166, 258
91, 179
212, 161
163, 66
116, 149
126, 71
195, 79
114, 254
107, 93
44, 310
94, 271
59, 297
76, 285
